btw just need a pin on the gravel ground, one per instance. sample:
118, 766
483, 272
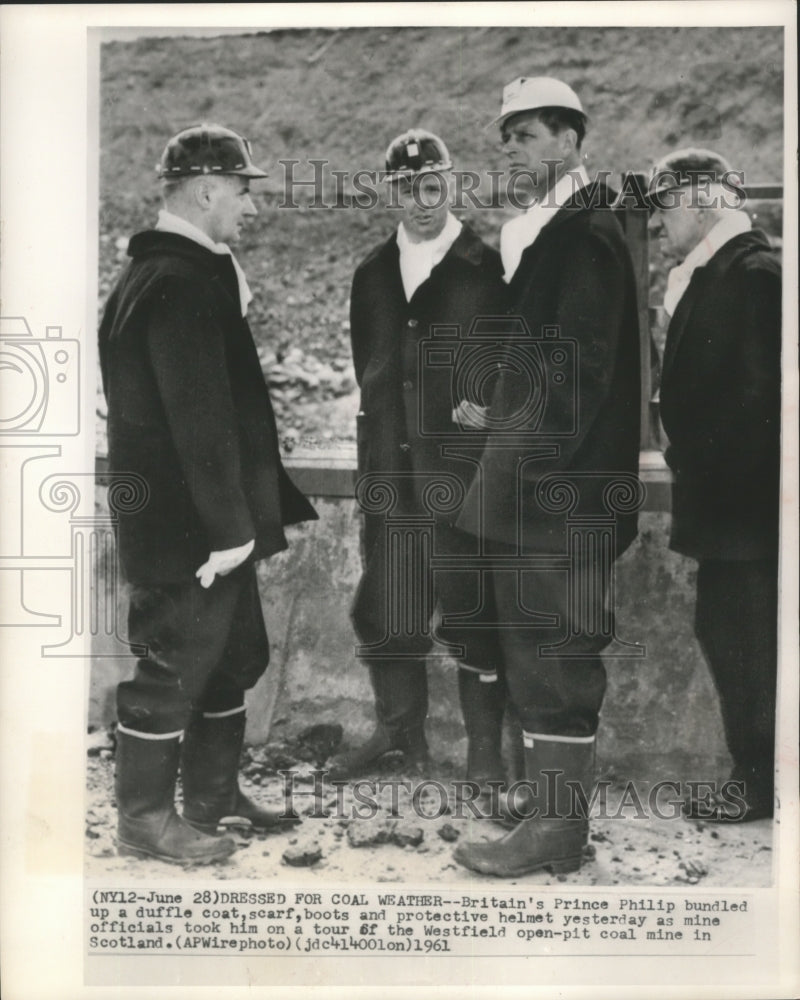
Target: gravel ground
396, 845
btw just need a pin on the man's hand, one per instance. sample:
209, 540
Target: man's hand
471, 416
222, 563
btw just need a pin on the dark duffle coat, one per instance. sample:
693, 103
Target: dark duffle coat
405, 400
575, 289
189, 411
406, 412
720, 404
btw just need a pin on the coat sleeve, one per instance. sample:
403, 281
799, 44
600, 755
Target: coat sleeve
358, 338
753, 429
187, 352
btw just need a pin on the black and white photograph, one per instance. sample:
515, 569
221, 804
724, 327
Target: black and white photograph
400, 499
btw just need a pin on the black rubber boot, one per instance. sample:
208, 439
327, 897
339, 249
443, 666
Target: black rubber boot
555, 837
482, 708
148, 826
401, 705
212, 747
746, 796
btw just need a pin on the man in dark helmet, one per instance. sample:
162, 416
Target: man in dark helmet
720, 405
432, 270
189, 411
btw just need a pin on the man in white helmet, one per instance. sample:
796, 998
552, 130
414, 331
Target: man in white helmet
570, 278
433, 270
190, 413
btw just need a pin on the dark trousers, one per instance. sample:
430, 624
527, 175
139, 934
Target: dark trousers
550, 693
393, 610
737, 627
205, 648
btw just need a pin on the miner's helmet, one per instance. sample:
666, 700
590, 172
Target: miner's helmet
532, 93
207, 149
416, 152
687, 167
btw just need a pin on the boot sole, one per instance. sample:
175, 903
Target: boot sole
135, 851
563, 866
241, 826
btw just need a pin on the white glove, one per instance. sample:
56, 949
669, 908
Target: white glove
470, 416
222, 563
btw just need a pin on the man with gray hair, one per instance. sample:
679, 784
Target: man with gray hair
720, 406
190, 413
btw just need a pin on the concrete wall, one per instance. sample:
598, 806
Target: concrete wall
660, 713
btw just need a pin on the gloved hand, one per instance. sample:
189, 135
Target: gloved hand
222, 563
470, 416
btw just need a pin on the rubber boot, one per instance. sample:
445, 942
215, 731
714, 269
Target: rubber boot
401, 705
148, 826
212, 746
553, 838
482, 706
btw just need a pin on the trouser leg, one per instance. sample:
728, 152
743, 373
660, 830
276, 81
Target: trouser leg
205, 647
736, 624
551, 694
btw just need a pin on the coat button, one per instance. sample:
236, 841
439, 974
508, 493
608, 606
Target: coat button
405, 446
408, 384
413, 323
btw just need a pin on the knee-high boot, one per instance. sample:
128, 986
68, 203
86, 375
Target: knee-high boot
482, 707
146, 772
401, 706
560, 772
212, 746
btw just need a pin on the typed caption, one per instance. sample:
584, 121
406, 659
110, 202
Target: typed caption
295, 922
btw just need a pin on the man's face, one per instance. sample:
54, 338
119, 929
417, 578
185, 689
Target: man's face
227, 207
680, 227
425, 202
529, 145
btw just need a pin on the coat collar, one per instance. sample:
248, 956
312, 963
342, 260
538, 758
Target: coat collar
722, 261
156, 242
596, 196
467, 247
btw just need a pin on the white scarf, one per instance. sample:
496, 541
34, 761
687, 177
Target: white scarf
519, 233
417, 260
169, 223
733, 224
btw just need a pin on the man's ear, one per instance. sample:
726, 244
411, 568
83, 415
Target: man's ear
569, 142
202, 193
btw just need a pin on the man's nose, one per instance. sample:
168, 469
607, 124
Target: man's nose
249, 207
